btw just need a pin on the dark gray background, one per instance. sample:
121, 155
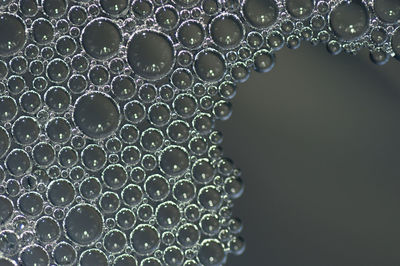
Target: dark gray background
318, 142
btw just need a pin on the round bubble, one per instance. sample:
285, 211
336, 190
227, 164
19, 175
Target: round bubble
93, 157
6, 210
168, 214
96, 115
30, 203
8, 108
157, 187
260, 13
174, 160
61, 192
92, 257
58, 130
101, 39
114, 7
4, 141
12, 30
387, 10
47, 229
150, 54
90, 188
209, 65
42, 31
145, 239
64, 254
349, 21
114, 241
300, 9
191, 34
34, 255
226, 31
125, 260
83, 224
125, 219
211, 252
114, 176
18, 162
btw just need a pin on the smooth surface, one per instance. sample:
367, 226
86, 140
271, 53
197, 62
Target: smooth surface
318, 142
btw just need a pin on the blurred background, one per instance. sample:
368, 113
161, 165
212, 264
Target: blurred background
318, 142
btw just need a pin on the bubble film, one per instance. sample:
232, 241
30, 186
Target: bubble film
108, 150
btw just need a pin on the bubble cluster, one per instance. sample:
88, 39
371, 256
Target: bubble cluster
108, 148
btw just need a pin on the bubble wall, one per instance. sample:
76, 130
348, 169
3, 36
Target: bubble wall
108, 150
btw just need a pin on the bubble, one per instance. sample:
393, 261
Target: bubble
57, 71
77, 15
125, 260
93, 257
80, 63
174, 160
96, 115
141, 9
109, 202
150, 261
30, 102
178, 131
8, 243
18, 162
209, 224
157, 187
98, 75
66, 46
129, 134
182, 79
167, 17
34, 255
210, 198
13, 34
101, 39
114, 176
379, 57
159, 114
8, 108
42, 31
168, 214
114, 241
147, 93
61, 193
6, 210
131, 155
145, 239
125, 218
209, 65
173, 256
203, 123
188, 235
210, 7
226, 31
90, 188
28, 8
211, 252
185, 105
67, 157
123, 87
93, 157
387, 10
191, 34
64, 254
300, 9
379, 35
259, 13
18, 65
54, 8
184, 191
150, 54
145, 212
47, 229
114, 7
43, 154
16, 84
349, 21
30, 203
58, 130
237, 245
83, 224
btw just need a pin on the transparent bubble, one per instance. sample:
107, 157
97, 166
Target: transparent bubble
18, 162
6, 210
14, 34
114, 241
349, 21
227, 31
58, 130
109, 202
141, 9
64, 254
145, 239
98, 75
28, 8
101, 38
96, 115
61, 192
123, 87
167, 17
42, 31
33, 255
209, 65
191, 34
77, 15
8, 108
83, 224
93, 257
30, 203
114, 176
300, 9
114, 7
43, 154
150, 54
54, 8
157, 187
47, 229
125, 219
5, 141
387, 10
211, 252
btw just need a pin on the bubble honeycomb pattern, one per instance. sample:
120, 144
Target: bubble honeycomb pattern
108, 150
